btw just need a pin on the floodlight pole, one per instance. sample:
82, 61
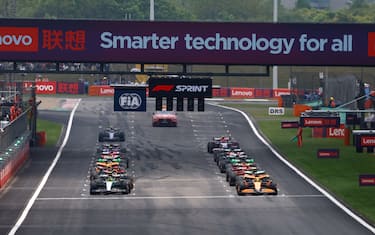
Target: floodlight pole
275, 68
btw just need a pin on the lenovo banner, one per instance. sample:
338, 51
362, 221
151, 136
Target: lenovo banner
240, 92
45, 88
101, 90
328, 153
367, 180
180, 87
320, 121
187, 42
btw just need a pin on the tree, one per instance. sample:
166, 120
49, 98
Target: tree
303, 4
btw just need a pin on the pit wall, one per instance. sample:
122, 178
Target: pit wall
12, 159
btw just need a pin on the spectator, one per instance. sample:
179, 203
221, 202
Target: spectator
332, 103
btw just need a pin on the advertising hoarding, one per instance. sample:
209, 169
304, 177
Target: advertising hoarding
187, 42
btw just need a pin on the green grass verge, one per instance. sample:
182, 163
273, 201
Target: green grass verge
52, 129
339, 176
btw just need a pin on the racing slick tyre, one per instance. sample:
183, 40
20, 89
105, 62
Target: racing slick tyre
126, 189
227, 178
121, 137
92, 191
222, 168
210, 146
101, 137
238, 189
273, 186
232, 180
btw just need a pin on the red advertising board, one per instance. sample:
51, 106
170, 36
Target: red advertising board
320, 121
289, 124
263, 93
68, 88
240, 92
281, 91
19, 39
45, 88
367, 180
367, 141
336, 132
330, 132
103, 90
328, 153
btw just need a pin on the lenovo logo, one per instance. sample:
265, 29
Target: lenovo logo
43, 88
18, 39
367, 141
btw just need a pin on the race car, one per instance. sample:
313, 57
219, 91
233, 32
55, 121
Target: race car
164, 118
222, 142
256, 184
110, 147
244, 160
235, 172
111, 159
112, 183
111, 134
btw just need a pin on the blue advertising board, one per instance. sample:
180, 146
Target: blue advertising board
130, 99
187, 42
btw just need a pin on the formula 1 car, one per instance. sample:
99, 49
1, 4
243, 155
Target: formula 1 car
228, 163
111, 184
111, 134
256, 184
164, 118
110, 181
237, 170
112, 160
110, 147
222, 142
223, 152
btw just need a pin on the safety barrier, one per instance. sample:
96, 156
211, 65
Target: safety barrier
14, 129
230, 92
13, 158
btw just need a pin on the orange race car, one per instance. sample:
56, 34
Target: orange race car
258, 183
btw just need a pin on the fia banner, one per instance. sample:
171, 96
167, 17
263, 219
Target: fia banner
130, 99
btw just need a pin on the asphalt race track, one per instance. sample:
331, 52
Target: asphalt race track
178, 187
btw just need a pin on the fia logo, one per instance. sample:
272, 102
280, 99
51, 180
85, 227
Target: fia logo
130, 101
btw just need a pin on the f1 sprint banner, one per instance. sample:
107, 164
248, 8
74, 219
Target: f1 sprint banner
180, 87
187, 42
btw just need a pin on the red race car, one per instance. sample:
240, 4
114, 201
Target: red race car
164, 118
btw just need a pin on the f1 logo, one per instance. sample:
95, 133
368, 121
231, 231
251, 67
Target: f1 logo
371, 44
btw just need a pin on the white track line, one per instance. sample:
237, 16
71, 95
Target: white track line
32, 200
176, 197
310, 181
